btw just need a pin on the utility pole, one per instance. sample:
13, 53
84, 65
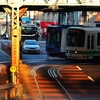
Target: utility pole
15, 42
15, 14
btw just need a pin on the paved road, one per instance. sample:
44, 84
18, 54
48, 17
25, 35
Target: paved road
33, 63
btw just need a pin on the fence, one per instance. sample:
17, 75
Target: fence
6, 48
9, 91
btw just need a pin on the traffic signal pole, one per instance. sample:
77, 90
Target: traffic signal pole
15, 14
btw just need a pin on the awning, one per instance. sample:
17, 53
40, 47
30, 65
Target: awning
25, 20
46, 24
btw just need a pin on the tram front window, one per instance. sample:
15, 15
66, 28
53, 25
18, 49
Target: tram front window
75, 38
51, 36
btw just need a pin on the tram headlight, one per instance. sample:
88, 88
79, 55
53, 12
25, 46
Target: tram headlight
75, 51
67, 51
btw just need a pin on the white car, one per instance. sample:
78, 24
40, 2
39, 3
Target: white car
31, 46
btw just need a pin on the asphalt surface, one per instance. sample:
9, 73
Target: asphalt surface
92, 70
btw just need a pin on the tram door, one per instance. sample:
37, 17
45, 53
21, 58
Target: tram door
90, 43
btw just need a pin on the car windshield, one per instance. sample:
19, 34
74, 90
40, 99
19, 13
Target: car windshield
31, 43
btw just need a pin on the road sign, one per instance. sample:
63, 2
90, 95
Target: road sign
13, 69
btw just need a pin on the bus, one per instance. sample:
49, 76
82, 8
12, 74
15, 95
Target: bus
56, 40
29, 32
83, 43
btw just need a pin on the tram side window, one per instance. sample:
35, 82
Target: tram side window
58, 39
88, 42
48, 37
92, 42
98, 39
51, 36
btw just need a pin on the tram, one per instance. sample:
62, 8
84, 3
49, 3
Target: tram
83, 43
56, 40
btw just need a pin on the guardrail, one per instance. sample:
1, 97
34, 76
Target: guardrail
6, 48
9, 92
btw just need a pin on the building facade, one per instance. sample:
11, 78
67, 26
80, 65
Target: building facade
48, 18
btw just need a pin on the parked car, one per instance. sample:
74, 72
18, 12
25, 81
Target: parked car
31, 46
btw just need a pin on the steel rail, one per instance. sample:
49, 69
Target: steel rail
52, 72
64, 89
37, 85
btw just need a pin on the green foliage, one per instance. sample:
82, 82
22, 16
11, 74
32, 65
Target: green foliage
46, 1
79, 1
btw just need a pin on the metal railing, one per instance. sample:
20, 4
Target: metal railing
9, 91
6, 48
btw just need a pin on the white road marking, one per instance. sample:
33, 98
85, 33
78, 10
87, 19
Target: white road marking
90, 78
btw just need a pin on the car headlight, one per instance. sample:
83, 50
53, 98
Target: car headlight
25, 48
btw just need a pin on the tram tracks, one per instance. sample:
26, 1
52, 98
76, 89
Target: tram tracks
57, 82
